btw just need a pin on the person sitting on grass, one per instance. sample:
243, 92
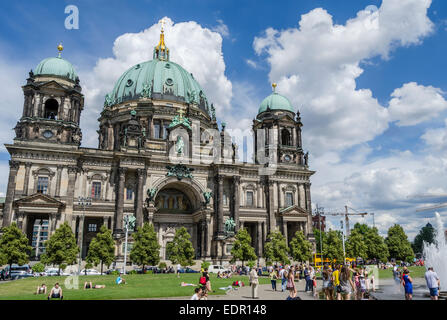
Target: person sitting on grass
120, 280
197, 294
41, 289
56, 292
219, 275
88, 285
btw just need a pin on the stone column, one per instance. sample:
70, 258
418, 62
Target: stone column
195, 240
120, 201
81, 233
284, 230
271, 208
236, 201
72, 172
308, 199
139, 198
242, 224
58, 181
259, 238
202, 238
7, 209
25, 223
220, 223
26, 181
208, 236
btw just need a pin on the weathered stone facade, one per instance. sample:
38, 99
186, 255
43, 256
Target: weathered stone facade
128, 173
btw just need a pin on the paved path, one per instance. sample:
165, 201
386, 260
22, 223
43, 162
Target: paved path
265, 292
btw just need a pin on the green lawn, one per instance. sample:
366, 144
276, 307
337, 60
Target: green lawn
415, 272
137, 286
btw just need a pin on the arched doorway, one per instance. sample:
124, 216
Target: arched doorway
51, 109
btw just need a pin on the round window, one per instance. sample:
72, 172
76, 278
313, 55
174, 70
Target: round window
47, 134
169, 82
129, 83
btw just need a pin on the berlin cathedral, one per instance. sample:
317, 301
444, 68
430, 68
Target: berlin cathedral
161, 158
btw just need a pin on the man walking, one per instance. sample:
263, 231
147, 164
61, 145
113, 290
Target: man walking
308, 279
283, 276
254, 283
433, 283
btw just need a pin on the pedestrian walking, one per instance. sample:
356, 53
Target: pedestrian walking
291, 283
254, 282
273, 276
433, 283
407, 282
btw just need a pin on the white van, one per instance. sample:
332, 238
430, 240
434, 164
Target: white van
214, 268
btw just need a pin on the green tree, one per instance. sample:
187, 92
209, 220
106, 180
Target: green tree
275, 249
180, 250
355, 245
61, 247
375, 245
14, 246
317, 239
38, 267
145, 250
300, 247
398, 245
333, 246
242, 249
102, 248
426, 234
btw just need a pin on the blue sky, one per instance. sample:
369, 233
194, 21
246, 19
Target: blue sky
351, 168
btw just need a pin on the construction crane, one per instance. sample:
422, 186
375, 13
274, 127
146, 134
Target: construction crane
346, 214
432, 207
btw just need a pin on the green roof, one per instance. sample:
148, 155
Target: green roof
56, 66
275, 101
160, 79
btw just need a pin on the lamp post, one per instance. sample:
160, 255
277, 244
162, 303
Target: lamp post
83, 202
129, 223
319, 226
343, 239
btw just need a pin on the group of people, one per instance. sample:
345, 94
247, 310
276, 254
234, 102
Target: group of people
201, 292
224, 275
55, 293
431, 278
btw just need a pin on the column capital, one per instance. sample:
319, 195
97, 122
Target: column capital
219, 178
14, 165
141, 173
72, 169
122, 171
28, 164
236, 179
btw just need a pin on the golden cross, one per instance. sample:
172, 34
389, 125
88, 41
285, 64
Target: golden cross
162, 22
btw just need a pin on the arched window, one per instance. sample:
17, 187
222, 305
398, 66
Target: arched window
285, 137
51, 109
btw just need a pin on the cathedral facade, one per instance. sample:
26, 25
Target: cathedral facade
161, 158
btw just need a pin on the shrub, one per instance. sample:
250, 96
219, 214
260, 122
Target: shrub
115, 272
63, 266
39, 267
132, 272
205, 264
162, 265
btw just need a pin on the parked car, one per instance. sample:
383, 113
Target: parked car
51, 272
189, 270
216, 268
18, 272
90, 272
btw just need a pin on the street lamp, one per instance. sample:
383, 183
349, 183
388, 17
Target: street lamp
83, 202
129, 223
343, 238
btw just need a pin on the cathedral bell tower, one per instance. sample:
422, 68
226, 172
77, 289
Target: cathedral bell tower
282, 129
52, 104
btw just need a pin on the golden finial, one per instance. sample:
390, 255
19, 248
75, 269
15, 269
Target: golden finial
162, 52
274, 86
162, 22
60, 48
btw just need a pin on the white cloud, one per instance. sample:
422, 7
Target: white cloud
316, 66
197, 49
436, 139
222, 29
412, 104
252, 63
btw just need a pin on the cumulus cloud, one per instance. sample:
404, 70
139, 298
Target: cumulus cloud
412, 104
317, 63
221, 28
197, 49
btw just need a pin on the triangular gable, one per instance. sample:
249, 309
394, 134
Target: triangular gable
293, 211
286, 117
39, 199
52, 85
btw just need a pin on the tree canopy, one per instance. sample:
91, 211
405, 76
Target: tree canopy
145, 250
102, 248
398, 245
14, 246
426, 234
275, 249
242, 249
180, 250
61, 248
300, 247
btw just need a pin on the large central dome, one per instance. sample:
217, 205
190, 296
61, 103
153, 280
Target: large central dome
158, 79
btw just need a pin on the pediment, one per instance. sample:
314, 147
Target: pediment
52, 85
39, 200
286, 117
295, 211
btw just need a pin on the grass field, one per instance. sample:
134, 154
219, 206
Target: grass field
415, 272
137, 286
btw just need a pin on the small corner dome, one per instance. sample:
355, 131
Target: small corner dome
56, 66
275, 101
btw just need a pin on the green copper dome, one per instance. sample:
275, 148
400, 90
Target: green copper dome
56, 67
275, 101
157, 79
